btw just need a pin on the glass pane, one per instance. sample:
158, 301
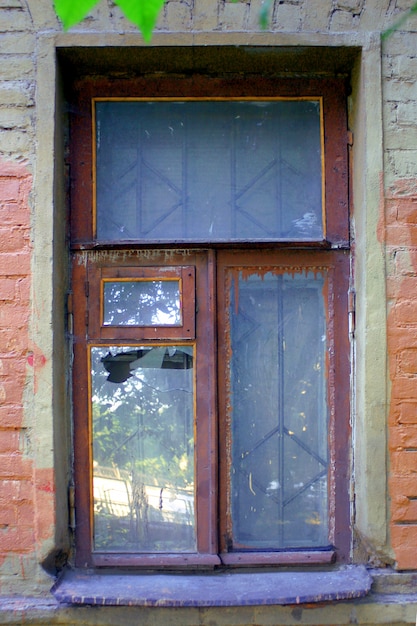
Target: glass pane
279, 410
143, 450
141, 303
209, 171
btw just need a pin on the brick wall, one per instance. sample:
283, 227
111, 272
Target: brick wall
27, 516
17, 534
400, 238
401, 234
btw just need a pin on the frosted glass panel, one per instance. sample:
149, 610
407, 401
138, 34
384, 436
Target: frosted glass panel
279, 411
209, 171
143, 451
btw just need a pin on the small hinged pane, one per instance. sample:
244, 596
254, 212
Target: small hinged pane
142, 302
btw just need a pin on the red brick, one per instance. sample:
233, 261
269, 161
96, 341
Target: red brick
17, 540
406, 210
45, 516
15, 263
401, 211
405, 485
405, 311
7, 288
13, 239
404, 462
14, 466
405, 261
398, 286
9, 441
10, 415
401, 235
45, 480
403, 437
14, 315
403, 188
13, 341
9, 188
25, 513
23, 290
391, 211
16, 492
13, 214
404, 540
406, 413
8, 515
404, 509
400, 337
13, 388
407, 361
404, 388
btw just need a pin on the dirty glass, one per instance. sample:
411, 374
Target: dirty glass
141, 303
209, 170
142, 414
279, 410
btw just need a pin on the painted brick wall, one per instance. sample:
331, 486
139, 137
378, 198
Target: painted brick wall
26, 486
26, 492
17, 532
400, 236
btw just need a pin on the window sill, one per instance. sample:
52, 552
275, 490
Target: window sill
258, 588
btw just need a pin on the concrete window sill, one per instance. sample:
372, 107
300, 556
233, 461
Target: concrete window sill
78, 587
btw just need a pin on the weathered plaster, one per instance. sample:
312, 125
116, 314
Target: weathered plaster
369, 418
34, 398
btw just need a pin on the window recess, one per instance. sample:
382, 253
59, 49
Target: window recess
211, 350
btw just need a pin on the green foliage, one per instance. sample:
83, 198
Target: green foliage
387, 33
264, 14
71, 12
143, 13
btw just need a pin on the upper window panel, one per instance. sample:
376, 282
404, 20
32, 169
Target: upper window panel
209, 170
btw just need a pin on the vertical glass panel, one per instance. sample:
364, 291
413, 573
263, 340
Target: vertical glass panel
143, 450
209, 171
141, 303
279, 410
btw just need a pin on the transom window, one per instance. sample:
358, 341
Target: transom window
199, 170
211, 370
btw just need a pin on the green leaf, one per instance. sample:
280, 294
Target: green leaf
71, 12
389, 31
264, 14
143, 13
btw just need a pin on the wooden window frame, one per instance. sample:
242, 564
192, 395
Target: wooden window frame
185, 275
93, 260
336, 267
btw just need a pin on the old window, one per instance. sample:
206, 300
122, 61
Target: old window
211, 363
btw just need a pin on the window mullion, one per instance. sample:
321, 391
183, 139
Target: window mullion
206, 409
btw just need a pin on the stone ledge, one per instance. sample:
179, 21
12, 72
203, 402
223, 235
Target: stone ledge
215, 589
